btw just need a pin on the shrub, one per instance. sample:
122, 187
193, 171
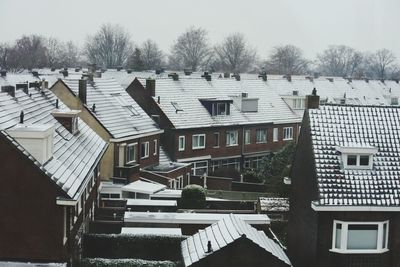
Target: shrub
193, 197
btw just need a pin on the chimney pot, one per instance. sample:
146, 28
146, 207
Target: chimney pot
82, 90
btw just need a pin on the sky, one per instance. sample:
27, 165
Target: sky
312, 25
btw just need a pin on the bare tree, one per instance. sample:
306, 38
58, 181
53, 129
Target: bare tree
110, 47
191, 50
135, 60
54, 52
234, 54
287, 59
152, 56
71, 54
339, 60
380, 64
28, 52
4, 55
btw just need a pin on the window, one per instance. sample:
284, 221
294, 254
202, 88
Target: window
247, 139
360, 237
275, 134
181, 143
352, 160
131, 153
261, 136
298, 103
144, 150
364, 160
216, 139
358, 161
199, 168
288, 133
220, 109
198, 141
155, 147
231, 138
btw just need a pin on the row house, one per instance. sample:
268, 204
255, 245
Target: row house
133, 136
344, 204
49, 178
214, 123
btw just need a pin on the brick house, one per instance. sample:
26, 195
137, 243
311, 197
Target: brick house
49, 162
133, 136
214, 123
344, 205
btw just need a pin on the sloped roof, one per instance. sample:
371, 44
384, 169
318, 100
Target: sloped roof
187, 93
74, 156
115, 109
224, 233
378, 126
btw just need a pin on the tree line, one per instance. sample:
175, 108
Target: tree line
111, 47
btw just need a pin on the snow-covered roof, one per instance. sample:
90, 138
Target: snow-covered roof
334, 126
151, 231
221, 234
151, 202
274, 204
115, 109
168, 193
74, 156
190, 218
186, 94
143, 187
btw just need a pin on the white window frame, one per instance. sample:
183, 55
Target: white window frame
134, 145
287, 133
146, 150
199, 137
195, 167
235, 139
266, 136
181, 140
357, 166
275, 135
344, 233
247, 137
155, 147
216, 134
298, 103
65, 221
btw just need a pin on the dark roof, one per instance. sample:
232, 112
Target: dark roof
74, 156
222, 234
335, 126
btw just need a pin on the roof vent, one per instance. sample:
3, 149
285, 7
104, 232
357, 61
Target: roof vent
174, 76
295, 92
69, 119
207, 76
36, 139
209, 247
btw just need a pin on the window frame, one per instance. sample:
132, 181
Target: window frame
216, 136
275, 135
128, 146
181, 148
155, 147
382, 245
195, 167
247, 137
287, 131
199, 137
266, 136
146, 150
357, 166
228, 139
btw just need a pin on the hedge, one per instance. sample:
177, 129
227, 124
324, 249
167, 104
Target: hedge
99, 262
125, 246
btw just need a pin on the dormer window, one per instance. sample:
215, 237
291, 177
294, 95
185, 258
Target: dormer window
357, 156
220, 109
69, 119
217, 107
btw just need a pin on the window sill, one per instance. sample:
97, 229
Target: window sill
261, 142
215, 146
130, 162
145, 157
276, 141
231, 145
180, 150
197, 148
287, 139
359, 251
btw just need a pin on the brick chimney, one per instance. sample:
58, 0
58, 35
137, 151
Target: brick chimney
174, 76
3, 73
82, 93
151, 86
312, 101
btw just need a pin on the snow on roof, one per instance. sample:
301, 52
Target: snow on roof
151, 202
30, 264
150, 231
187, 93
115, 109
189, 218
168, 193
334, 126
74, 156
274, 204
223, 233
143, 187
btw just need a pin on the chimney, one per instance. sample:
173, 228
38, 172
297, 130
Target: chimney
174, 76
316, 75
77, 69
37, 139
151, 86
64, 73
237, 76
288, 77
98, 74
68, 119
91, 68
311, 79
330, 79
207, 76
82, 90
35, 74
119, 68
3, 73
23, 86
263, 75
8, 89
129, 71
366, 80
187, 72
52, 69
312, 101
227, 75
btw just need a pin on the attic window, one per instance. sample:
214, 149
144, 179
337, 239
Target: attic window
132, 110
176, 106
220, 108
357, 157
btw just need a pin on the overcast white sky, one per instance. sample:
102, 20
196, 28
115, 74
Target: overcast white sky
310, 24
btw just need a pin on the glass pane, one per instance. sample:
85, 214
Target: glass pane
338, 235
352, 160
364, 160
362, 236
